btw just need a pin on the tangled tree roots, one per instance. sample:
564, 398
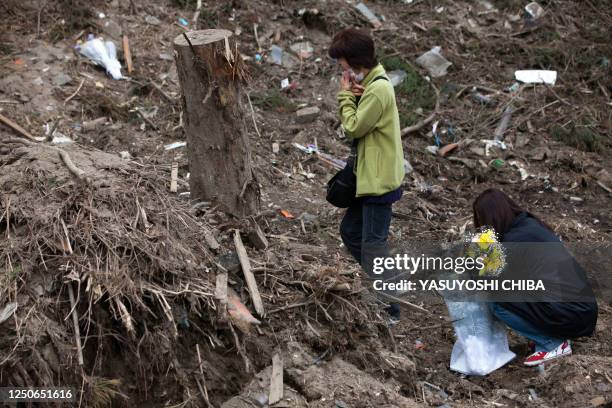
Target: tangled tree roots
108, 233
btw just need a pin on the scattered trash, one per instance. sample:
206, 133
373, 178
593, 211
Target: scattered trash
514, 87
166, 57
534, 10
7, 312
396, 77
434, 132
340, 404
175, 145
533, 395
287, 214
277, 55
482, 99
275, 147
183, 22
419, 345
367, 13
59, 138
445, 150
303, 49
432, 149
576, 199
307, 149
434, 62
497, 163
125, 155
521, 169
152, 20
536, 76
258, 57
102, 53
493, 143
285, 83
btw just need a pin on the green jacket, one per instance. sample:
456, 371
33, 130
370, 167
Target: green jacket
380, 156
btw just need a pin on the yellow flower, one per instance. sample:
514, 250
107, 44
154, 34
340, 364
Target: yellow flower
485, 239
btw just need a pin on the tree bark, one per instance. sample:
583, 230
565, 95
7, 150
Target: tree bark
210, 72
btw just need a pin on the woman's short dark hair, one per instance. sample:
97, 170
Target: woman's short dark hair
356, 46
493, 208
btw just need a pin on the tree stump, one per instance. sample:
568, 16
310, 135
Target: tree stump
211, 73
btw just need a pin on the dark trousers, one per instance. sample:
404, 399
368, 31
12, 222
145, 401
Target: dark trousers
365, 226
364, 231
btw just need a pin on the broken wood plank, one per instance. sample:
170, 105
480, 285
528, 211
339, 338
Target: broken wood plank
221, 294
127, 54
173, 177
276, 380
75, 323
248, 274
19, 129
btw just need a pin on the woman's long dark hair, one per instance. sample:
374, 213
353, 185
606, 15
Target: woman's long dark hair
493, 208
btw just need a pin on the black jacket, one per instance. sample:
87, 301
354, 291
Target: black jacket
563, 319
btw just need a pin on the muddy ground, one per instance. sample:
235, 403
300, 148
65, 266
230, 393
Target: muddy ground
556, 164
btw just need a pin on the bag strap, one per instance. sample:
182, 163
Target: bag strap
353, 153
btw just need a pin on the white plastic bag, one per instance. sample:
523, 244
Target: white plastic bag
104, 54
434, 62
482, 343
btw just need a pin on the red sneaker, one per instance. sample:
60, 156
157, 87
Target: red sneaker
540, 357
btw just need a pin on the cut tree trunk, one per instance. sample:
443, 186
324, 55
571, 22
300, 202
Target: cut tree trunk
210, 72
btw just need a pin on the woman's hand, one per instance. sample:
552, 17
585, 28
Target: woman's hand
345, 81
357, 89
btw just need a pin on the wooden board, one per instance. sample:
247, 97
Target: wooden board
248, 274
276, 380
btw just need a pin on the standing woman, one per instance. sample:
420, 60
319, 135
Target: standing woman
369, 116
539, 254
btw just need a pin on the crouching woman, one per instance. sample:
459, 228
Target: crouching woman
538, 254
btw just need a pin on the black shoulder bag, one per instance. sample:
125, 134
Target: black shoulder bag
342, 188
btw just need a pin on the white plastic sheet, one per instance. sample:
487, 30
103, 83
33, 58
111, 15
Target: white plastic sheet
482, 343
536, 76
434, 62
104, 54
